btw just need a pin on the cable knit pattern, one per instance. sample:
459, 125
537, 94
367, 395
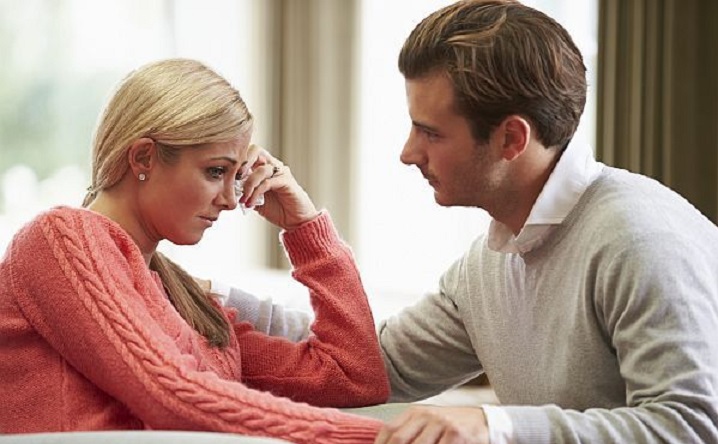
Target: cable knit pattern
309, 249
90, 342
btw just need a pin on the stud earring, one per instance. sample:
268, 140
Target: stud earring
142, 177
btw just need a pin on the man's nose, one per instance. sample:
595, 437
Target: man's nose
410, 153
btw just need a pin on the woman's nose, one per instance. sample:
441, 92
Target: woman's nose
229, 197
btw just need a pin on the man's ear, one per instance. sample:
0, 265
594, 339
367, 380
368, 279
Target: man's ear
515, 132
142, 156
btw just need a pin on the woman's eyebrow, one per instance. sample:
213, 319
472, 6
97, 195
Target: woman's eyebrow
227, 158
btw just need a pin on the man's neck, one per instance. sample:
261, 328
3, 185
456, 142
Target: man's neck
532, 174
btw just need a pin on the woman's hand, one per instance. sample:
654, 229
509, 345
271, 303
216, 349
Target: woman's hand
286, 204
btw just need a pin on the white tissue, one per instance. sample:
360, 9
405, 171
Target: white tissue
238, 192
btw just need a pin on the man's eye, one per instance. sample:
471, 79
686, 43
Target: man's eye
215, 172
431, 136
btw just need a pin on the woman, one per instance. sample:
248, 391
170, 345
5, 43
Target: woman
101, 331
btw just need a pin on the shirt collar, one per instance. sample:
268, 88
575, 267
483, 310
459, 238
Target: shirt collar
575, 170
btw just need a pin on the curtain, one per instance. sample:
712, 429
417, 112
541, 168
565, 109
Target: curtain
307, 104
658, 93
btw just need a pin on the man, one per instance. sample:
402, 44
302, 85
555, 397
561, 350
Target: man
592, 302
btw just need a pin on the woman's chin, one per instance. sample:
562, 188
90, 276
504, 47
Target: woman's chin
187, 239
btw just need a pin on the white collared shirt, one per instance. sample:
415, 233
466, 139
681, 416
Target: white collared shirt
575, 171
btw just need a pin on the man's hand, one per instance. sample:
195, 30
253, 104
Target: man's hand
442, 425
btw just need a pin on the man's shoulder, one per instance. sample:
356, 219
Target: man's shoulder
624, 208
621, 183
622, 196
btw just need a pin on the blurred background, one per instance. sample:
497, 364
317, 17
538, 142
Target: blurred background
320, 77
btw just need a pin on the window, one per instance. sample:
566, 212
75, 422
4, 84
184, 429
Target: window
61, 60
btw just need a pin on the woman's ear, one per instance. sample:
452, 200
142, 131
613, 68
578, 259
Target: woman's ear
516, 132
142, 156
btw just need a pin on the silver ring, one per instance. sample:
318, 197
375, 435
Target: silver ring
275, 170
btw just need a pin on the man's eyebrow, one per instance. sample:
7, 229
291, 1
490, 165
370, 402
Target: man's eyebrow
424, 126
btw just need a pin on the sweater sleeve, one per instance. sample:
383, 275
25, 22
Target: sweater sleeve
421, 359
658, 301
75, 284
343, 346
266, 316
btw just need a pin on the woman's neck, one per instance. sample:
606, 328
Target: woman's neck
111, 205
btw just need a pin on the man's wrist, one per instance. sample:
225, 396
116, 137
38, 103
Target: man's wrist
499, 424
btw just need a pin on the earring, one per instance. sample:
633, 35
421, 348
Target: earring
142, 177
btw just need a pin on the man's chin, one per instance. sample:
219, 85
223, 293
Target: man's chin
447, 201
443, 200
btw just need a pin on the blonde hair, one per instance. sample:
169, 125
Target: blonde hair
179, 103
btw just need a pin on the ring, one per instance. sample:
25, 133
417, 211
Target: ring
275, 170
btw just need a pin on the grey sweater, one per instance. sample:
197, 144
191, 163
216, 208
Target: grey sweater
608, 332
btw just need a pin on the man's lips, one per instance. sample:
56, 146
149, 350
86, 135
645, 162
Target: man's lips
209, 220
430, 178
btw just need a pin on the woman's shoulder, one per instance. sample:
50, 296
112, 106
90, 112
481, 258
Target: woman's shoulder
78, 226
65, 238
62, 213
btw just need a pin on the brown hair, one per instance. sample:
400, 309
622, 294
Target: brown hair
502, 58
180, 104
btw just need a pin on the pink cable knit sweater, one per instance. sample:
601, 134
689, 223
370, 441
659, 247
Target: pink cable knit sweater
89, 341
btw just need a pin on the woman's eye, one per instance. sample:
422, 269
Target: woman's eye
215, 172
